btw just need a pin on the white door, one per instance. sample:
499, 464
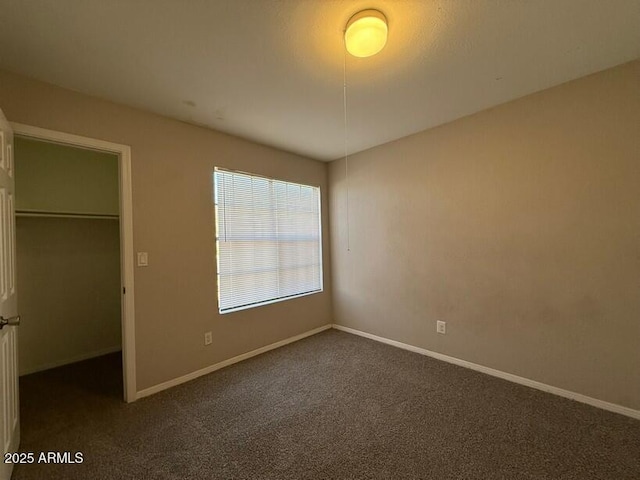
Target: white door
9, 406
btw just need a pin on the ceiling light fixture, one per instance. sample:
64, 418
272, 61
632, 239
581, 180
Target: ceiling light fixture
364, 36
366, 33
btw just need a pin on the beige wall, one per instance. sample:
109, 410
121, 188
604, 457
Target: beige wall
69, 289
59, 178
172, 166
519, 226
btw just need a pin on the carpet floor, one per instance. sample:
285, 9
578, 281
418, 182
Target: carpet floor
332, 406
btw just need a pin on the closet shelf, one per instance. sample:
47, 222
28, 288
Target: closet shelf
40, 213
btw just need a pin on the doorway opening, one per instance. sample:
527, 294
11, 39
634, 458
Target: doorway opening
75, 248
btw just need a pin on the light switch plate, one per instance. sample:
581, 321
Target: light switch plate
143, 259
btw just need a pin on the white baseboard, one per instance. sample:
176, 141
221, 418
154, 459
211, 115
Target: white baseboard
66, 361
594, 402
225, 363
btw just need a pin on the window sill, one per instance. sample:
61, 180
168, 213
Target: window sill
268, 302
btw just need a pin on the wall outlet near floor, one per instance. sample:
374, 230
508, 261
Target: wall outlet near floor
441, 327
208, 338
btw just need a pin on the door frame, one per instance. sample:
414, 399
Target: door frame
126, 236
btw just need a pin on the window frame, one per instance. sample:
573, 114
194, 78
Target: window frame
217, 241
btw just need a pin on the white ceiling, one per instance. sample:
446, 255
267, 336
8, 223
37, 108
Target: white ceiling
272, 70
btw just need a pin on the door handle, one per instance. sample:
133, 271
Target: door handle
12, 321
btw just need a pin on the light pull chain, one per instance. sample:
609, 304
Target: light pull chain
346, 156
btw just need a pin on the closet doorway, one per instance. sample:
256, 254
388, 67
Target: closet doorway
75, 251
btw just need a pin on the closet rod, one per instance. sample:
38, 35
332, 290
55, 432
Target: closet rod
41, 213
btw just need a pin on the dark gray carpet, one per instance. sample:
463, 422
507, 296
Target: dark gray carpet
333, 406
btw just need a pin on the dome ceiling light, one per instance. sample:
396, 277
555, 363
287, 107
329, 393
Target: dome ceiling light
366, 33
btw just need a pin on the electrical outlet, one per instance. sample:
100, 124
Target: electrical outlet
441, 327
208, 338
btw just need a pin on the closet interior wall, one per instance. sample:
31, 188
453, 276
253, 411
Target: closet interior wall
68, 254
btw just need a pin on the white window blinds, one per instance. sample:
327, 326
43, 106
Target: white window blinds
268, 240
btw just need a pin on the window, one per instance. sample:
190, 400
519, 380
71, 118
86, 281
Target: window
268, 240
